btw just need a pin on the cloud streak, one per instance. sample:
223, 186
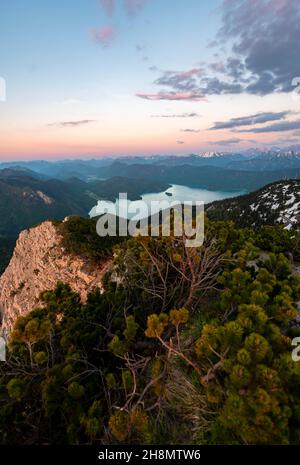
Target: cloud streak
195, 131
258, 118
183, 85
232, 141
179, 115
226, 141
189, 96
180, 80
72, 124
277, 127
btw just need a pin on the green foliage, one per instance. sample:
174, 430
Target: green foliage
127, 380
117, 347
110, 380
15, 388
179, 317
242, 359
79, 237
58, 356
104, 371
131, 329
156, 324
75, 390
126, 426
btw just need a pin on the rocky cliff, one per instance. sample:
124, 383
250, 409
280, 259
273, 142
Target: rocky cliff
37, 264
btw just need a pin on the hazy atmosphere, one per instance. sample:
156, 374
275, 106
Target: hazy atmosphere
123, 77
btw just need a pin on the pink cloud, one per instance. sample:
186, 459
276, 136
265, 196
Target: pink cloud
190, 96
104, 36
108, 5
189, 73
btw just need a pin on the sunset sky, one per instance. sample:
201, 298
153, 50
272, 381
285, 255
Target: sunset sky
90, 78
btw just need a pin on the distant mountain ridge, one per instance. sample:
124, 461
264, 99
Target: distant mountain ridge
95, 168
269, 161
204, 177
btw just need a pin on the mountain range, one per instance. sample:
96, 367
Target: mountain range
204, 177
34, 191
251, 159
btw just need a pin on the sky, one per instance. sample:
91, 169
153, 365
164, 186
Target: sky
90, 78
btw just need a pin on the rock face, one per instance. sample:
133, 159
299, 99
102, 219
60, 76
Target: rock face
37, 264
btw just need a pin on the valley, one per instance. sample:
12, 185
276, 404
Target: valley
29, 194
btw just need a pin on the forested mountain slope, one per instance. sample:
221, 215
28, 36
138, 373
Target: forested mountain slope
176, 345
277, 203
